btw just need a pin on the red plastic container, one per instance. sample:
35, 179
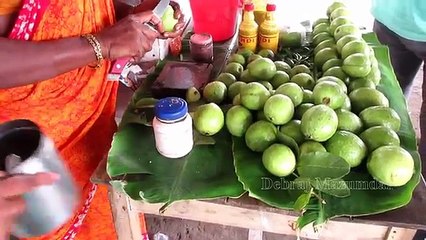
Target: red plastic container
215, 17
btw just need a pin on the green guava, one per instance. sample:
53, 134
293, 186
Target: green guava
329, 93
238, 58
349, 121
226, 78
334, 6
245, 77
378, 136
215, 92
293, 91
381, 116
283, 66
234, 89
299, 69
304, 80
365, 97
254, 95
279, 160
279, 109
192, 95
279, 79
208, 119
292, 129
260, 135
301, 109
319, 123
335, 80
262, 69
237, 120
168, 19
391, 165
311, 147
334, 62
308, 96
361, 82
347, 146
235, 69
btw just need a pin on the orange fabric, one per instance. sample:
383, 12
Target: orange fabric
9, 6
76, 109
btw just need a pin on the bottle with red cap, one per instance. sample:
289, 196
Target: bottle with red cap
247, 35
269, 31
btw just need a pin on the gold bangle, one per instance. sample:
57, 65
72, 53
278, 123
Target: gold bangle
96, 48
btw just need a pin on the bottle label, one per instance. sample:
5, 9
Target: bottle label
269, 42
248, 42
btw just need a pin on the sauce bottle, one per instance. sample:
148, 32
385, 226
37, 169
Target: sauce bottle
247, 36
269, 31
259, 10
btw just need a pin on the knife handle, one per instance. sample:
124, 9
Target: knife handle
119, 65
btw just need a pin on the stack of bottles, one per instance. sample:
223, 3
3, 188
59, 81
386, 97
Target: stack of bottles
258, 29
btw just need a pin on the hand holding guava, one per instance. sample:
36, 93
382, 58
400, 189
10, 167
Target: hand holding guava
173, 21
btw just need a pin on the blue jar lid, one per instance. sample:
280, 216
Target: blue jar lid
171, 108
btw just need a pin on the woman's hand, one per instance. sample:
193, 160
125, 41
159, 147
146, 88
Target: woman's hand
179, 27
130, 37
11, 190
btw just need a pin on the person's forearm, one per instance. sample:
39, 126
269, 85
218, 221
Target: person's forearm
26, 62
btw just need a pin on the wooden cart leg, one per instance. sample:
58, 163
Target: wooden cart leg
126, 220
395, 233
255, 234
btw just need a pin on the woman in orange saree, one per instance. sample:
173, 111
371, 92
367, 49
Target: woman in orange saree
76, 105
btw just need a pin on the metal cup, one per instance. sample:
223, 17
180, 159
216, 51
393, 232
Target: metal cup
25, 150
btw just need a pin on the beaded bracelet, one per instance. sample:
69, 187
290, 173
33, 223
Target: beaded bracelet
96, 48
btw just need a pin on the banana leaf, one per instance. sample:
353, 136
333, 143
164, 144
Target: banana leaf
367, 196
206, 172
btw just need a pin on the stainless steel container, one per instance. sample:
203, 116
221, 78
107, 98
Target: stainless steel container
25, 150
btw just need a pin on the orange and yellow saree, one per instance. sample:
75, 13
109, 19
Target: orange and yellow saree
76, 109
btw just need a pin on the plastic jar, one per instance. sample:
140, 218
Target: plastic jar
201, 47
172, 127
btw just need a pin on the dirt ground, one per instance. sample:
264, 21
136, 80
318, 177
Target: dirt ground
179, 229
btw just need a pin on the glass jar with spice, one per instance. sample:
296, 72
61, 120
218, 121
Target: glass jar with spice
172, 127
201, 47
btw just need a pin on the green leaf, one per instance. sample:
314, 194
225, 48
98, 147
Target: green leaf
322, 217
302, 201
334, 187
275, 191
307, 218
301, 185
289, 142
200, 139
145, 103
206, 172
322, 165
132, 117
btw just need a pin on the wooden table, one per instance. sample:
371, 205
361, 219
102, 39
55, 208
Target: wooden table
252, 214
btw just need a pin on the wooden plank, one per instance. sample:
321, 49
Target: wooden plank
405, 217
395, 233
126, 220
255, 235
215, 213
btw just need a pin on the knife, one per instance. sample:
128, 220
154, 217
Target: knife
119, 66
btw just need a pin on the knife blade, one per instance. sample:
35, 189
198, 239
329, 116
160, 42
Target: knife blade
119, 65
